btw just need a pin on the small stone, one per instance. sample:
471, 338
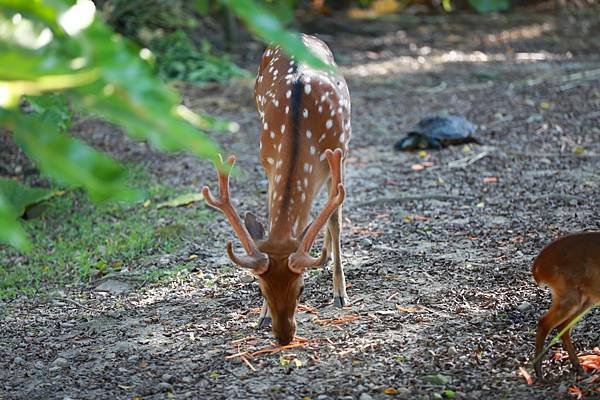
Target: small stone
114, 287
366, 242
402, 391
452, 351
562, 389
122, 347
524, 307
246, 278
165, 387
19, 360
187, 379
168, 378
365, 396
133, 359
60, 362
39, 365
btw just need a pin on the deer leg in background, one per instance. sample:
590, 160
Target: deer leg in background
264, 321
340, 298
327, 246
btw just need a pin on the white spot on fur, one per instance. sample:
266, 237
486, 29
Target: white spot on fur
265, 126
282, 128
308, 134
305, 113
322, 137
303, 197
270, 160
323, 156
342, 137
288, 94
328, 124
272, 134
312, 150
307, 88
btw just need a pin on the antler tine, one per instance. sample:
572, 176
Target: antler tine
300, 260
255, 260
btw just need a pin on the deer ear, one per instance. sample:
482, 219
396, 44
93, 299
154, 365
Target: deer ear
254, 227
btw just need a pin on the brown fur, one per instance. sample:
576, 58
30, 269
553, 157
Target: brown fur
570, 266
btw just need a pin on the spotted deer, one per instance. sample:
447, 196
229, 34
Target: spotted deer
570, 266
305, 129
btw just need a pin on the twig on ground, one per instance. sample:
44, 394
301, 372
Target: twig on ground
75, 302
465, 162
245, 360
237, 341
337, 321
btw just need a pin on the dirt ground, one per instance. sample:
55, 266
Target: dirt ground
437, 246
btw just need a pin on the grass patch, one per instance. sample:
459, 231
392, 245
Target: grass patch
75, 239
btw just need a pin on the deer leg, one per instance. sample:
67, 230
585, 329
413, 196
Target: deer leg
562, 310
340, 298
265, 316
568, 344
328, 241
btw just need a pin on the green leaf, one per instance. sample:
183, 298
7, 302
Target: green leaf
53, 109
486, 6
68, 160
267, 26
182, 200
11, 231
21, 197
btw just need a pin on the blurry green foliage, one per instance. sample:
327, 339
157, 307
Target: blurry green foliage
485, 6
180, 60
61, 46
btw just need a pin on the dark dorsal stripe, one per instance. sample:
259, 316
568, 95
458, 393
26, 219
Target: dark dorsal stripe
294, 124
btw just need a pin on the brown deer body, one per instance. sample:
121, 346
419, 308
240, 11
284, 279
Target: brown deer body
305, 129
570, 266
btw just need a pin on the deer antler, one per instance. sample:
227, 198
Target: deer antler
255, 260
300, 260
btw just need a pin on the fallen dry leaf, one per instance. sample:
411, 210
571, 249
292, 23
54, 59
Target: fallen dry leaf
490, 179
590, 362
576, 391
391, 391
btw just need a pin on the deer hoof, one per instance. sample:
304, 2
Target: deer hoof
263, 322
340, 301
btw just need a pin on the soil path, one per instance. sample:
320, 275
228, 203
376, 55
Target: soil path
438, 259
